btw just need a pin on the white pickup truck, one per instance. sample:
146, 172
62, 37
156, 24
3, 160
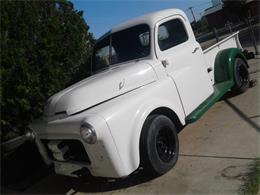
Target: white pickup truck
150, 79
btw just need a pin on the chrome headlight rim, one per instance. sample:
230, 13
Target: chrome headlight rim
88, 133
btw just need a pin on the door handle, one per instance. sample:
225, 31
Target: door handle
196, 48
165, 63
209, 69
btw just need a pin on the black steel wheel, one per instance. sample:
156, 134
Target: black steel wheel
165, 145
241, 76
159, 145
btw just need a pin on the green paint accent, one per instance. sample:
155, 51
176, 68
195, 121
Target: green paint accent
219, 90
224, 80
224, 64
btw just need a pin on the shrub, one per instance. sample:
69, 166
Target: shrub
45, 46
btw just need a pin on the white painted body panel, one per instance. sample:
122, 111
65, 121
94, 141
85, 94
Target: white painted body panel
125, 117
210, 53
186, 68
118, 124
117, 101
100, 87
103, 155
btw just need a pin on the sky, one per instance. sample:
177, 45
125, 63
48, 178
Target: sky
102, 15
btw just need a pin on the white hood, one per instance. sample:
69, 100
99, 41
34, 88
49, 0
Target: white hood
100, 87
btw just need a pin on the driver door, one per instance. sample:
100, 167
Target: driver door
183, 60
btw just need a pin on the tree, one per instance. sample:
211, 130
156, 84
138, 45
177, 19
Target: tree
45, 46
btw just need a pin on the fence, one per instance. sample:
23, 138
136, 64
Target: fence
249, 34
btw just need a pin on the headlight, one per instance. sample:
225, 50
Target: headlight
88, 133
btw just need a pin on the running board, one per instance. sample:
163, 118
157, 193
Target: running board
219, 90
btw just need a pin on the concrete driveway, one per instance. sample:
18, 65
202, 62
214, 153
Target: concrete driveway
215, 154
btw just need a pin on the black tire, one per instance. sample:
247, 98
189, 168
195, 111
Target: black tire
159, 145
241, 76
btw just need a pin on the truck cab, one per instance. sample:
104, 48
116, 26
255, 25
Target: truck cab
172, 41
150, 79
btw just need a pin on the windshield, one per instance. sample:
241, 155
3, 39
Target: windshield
125, 45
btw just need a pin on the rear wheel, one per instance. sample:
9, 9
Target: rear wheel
241, 76
159, 145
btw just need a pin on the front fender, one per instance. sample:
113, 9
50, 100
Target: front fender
125, 116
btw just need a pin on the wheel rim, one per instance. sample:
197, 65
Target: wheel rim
243, 75
165, 145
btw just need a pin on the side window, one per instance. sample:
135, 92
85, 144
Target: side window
171, 33
101, 54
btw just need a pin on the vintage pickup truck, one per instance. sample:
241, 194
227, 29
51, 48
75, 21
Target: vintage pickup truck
150, 79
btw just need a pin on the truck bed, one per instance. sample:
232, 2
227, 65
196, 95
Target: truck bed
210, 53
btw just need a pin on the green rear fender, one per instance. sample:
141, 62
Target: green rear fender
224, 80
224, 64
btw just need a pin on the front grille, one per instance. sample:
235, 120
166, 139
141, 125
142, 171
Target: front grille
66, 150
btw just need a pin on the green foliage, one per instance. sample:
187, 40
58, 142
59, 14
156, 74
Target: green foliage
251, 182
45, 46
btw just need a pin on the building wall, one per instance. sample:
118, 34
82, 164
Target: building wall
254, 7
220, 18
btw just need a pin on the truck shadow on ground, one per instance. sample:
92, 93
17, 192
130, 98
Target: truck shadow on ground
239, 112
57, 184
24, 172
243, 116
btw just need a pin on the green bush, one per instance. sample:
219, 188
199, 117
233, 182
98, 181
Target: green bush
45, 46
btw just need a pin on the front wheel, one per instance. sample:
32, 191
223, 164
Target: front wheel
241, 76
159, 145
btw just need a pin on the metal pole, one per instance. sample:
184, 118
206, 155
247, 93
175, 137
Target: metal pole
216, 34
229, 25
252, 35
191, 9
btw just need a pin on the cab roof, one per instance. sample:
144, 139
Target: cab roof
151, 19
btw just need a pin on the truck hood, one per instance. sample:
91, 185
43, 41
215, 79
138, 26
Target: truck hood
100, 87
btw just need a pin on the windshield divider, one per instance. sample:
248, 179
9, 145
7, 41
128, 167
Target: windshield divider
110, 50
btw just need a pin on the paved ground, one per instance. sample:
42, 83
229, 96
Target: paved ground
215, 154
